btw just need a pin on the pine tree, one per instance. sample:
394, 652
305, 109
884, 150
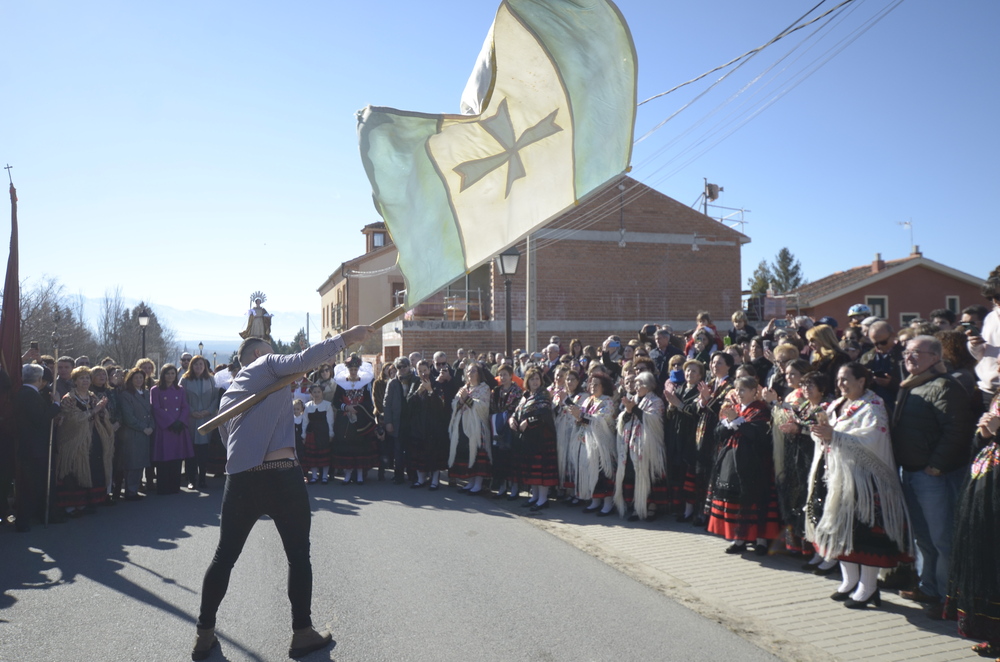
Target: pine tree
786, 271
761, 278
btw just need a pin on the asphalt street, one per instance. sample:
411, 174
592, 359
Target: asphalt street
399, 574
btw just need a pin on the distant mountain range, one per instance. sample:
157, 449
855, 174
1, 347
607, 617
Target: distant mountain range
219, 332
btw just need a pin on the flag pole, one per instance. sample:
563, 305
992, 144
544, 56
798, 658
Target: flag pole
247, 403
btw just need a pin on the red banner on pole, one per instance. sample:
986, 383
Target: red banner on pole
10, 318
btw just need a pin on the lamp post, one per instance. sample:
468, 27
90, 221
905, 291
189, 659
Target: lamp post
507, 265
143, 323
201, 349
215, 360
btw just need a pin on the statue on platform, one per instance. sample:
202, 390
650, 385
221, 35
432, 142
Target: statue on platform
258, 319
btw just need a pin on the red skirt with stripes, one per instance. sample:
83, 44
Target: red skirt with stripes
461, 469
734, 521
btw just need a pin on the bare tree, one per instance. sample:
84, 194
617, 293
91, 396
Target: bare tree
47, 313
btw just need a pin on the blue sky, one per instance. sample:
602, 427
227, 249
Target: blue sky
195, 152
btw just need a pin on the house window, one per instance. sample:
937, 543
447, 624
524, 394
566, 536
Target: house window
398, 292
906, 318
952, 304
378, 239
879, 306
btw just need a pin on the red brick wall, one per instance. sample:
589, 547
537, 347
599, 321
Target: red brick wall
614, 289
915, 290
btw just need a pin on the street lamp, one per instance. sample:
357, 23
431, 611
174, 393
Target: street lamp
507, 266
143, 323
215, 360
201, 349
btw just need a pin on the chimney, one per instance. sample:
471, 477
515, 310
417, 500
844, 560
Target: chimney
878, 265
916, 252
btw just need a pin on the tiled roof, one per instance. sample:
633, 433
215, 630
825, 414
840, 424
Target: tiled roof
843, 279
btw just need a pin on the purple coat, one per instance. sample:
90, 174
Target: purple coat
170, 405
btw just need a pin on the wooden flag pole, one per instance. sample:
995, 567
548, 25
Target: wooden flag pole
247, 403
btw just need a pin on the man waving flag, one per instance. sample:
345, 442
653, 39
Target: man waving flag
551, 109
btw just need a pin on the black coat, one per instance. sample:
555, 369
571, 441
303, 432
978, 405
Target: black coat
33, 418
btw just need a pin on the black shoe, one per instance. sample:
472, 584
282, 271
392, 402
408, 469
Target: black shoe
535, 508
381, 474
434, 487
875, 598
809, 567
398, 481
699, 521
528, 504
736, 548
513, 497
635, 518
417, 486
842, 597
823, 572
685, 518
588, 509
760, 550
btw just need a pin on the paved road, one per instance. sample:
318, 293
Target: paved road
399, 575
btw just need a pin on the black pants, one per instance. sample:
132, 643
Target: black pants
281, 495
194, 467
168, 476
31, 481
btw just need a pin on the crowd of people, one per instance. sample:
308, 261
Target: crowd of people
91, 436
862, 448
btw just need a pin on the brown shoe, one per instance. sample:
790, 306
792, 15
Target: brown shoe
307, 640
204, 642
918, 596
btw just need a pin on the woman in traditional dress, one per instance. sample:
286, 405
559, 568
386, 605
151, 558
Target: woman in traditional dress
471, 453
299, 423
974, 583
792, 459
533, 424
203, 401
680, 438
85, 447
791, 423
743, 503
642, 459
318, 429
503, 401
428, 415
566, 434
855, 510
354, 445
171, 441
135, 434
596, 444
712, 394
100, 386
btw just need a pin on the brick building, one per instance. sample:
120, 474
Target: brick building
628, 256
363, 289
895, 290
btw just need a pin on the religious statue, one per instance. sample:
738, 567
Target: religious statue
258, 319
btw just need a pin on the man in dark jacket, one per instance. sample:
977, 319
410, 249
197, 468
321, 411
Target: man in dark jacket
931, 438
33, 416
394, 406
661, 356
885, 360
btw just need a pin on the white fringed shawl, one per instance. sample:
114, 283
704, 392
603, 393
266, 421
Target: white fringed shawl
566, 455
474, 419
598, 438
859, 466
642, 440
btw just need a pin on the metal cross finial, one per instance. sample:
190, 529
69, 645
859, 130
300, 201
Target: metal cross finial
8, 169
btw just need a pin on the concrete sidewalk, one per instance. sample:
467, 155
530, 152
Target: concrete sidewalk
768, 600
